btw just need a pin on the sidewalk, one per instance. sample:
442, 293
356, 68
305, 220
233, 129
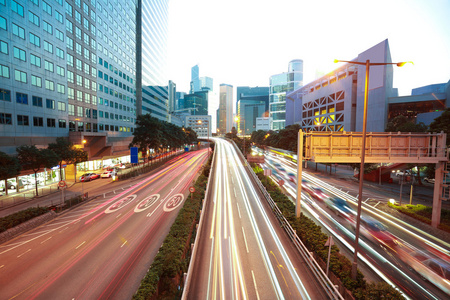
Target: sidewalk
50, 195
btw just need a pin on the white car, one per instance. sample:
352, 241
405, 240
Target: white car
106, 174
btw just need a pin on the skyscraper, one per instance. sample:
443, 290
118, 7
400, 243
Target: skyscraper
281, 84
199, 83
67, 69
152, 92
225, 112
252, 103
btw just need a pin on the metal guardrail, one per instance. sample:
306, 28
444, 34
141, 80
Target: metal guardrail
326, 283
200, 223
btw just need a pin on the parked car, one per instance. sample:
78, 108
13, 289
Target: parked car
12, 185
106, 174
429, 180
88, 177
403, 173
95, 176
432, 180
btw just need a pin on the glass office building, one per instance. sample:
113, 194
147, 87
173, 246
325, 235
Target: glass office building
281, 84
152, 82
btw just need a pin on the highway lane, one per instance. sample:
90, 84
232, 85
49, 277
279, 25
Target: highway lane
101, 249
242, 251
385, 260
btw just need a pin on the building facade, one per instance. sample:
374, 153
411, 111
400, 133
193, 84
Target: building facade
335, 101
68, 69
263, 123
152, 91
252, 102
280, 85
225, 112
200, 124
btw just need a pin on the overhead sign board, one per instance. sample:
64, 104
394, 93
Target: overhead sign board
134, 155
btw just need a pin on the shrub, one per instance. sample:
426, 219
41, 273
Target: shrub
21, 217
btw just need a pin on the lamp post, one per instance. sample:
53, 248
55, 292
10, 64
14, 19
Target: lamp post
363, 152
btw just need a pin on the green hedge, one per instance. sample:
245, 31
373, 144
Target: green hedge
169, 262
21, 217
423, 213
314, 239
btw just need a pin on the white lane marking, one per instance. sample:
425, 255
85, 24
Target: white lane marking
239, 211
45, 240
63, 229
80, 245
24, 253
2, 266
245, 240
235, 196
256, 287
123, 244
118, 215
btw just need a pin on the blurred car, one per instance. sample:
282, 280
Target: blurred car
106, 174
94, 176
403, 173
340, 207
429, 180
88, 177
435, 270
375, 231
11, 184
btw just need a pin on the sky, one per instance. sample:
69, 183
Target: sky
244, 42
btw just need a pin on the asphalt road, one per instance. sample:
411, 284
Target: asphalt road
375, 259
242, 252
102, 249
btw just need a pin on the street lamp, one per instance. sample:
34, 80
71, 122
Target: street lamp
237, 119
363, 152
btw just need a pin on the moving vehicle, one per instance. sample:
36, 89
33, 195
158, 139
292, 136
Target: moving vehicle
88, 177
375, 231
106, 174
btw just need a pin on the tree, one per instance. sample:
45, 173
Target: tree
147, 134
9, 167
33, 158
442, 123
66, 151
403, 124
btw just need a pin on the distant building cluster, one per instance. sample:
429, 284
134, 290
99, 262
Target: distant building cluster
86, 70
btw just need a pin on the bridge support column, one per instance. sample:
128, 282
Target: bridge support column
299, 173
437, 201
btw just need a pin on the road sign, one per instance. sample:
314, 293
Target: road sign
134, 159
62, 183
192, 189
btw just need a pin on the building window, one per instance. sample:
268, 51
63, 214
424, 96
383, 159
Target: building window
50, 104
19, 31
47, 8
48, 47
48, 66
80, 126
4, 71
59, 35
71, 125
70, 93
80, 96
22, 120
62, 123
17, 8
36, 81
37, 101
5, 119
60, 88
69, 26
51, 122
61, 106
60, 71
35, 60
69, 60
35, 40
33, 18
79, 111
59, 53
47, 27
38, 122
20, 76
70, 76
79, 80
4, 47
3, 23
22, 98
20, 54
59, 17
71, 110
5, 95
